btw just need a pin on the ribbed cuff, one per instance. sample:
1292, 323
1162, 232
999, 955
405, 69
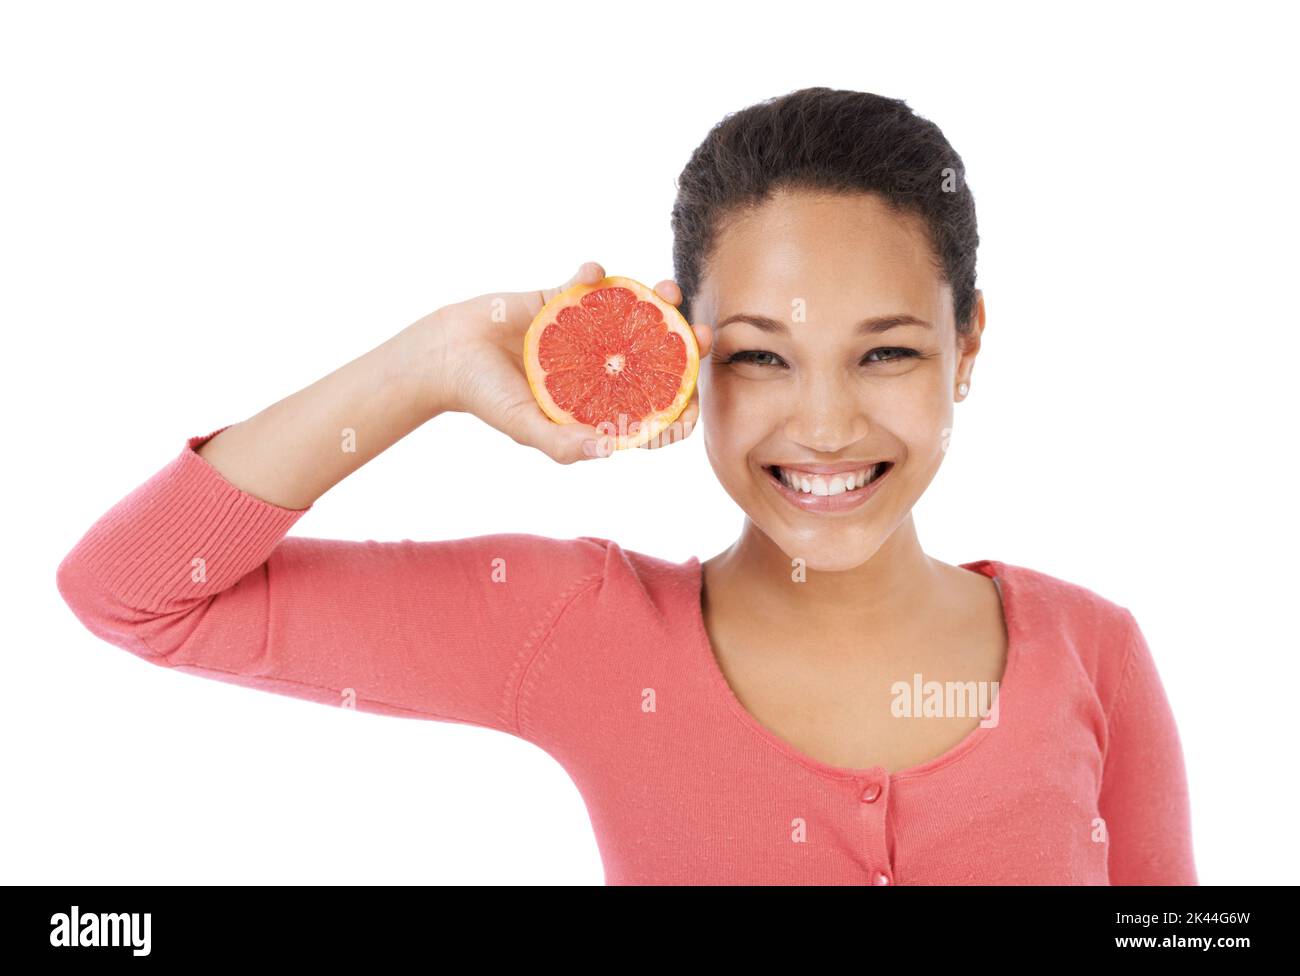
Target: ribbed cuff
187, 532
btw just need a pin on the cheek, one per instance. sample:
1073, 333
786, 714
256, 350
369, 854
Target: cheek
735, 423
736, 415
919, 415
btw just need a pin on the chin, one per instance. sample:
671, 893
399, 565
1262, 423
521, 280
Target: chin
830, 550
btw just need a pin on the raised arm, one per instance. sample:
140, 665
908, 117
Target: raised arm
456, 358
193, 571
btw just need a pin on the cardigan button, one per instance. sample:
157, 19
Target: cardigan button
871, 793
882, 878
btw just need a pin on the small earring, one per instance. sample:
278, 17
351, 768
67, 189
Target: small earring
963, 388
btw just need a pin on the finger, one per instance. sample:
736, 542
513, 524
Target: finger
571, 442
525, 423
588, 273
669, 291
703, 336
680, 428
691, 415
578, 442
566, 443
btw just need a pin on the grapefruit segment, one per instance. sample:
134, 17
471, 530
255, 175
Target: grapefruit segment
613, 355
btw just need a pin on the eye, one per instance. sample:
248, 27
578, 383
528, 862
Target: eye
754, 356
900, 353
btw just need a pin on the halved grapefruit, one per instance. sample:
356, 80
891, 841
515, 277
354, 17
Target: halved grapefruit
613, 355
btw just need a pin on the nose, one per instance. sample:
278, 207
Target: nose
825, 416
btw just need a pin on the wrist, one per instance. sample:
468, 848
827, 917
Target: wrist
424, 353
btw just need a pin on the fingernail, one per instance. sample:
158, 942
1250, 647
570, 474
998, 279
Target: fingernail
589, 448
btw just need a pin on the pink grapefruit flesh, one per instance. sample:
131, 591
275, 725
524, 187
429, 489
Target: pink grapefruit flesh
613, 355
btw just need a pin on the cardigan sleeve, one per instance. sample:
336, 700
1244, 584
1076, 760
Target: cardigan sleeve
1144, 797
191, 573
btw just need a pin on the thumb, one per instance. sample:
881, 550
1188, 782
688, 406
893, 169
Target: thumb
564, 443
588, 273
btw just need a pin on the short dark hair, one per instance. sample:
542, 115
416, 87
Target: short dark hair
836, 140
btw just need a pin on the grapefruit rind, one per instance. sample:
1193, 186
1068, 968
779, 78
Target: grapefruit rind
649, 427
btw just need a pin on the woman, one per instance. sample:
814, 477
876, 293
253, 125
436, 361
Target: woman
750, 718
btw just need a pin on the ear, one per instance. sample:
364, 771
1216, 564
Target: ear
969, 343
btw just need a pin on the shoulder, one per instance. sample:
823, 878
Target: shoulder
1061, 616
652, 584
592, 565
1052, 599
590, 573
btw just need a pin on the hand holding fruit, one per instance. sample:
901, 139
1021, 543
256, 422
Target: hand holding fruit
610, 365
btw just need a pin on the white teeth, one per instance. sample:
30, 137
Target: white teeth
815, 484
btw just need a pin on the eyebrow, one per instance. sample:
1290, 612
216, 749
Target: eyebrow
878, 323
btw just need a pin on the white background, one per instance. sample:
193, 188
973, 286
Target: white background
207, 207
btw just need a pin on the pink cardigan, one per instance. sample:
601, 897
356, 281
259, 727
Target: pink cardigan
599, 656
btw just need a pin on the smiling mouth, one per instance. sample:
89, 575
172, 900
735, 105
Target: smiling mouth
827, 485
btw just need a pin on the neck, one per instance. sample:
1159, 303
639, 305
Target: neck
885, 592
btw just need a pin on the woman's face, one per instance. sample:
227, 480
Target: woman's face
811, 389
